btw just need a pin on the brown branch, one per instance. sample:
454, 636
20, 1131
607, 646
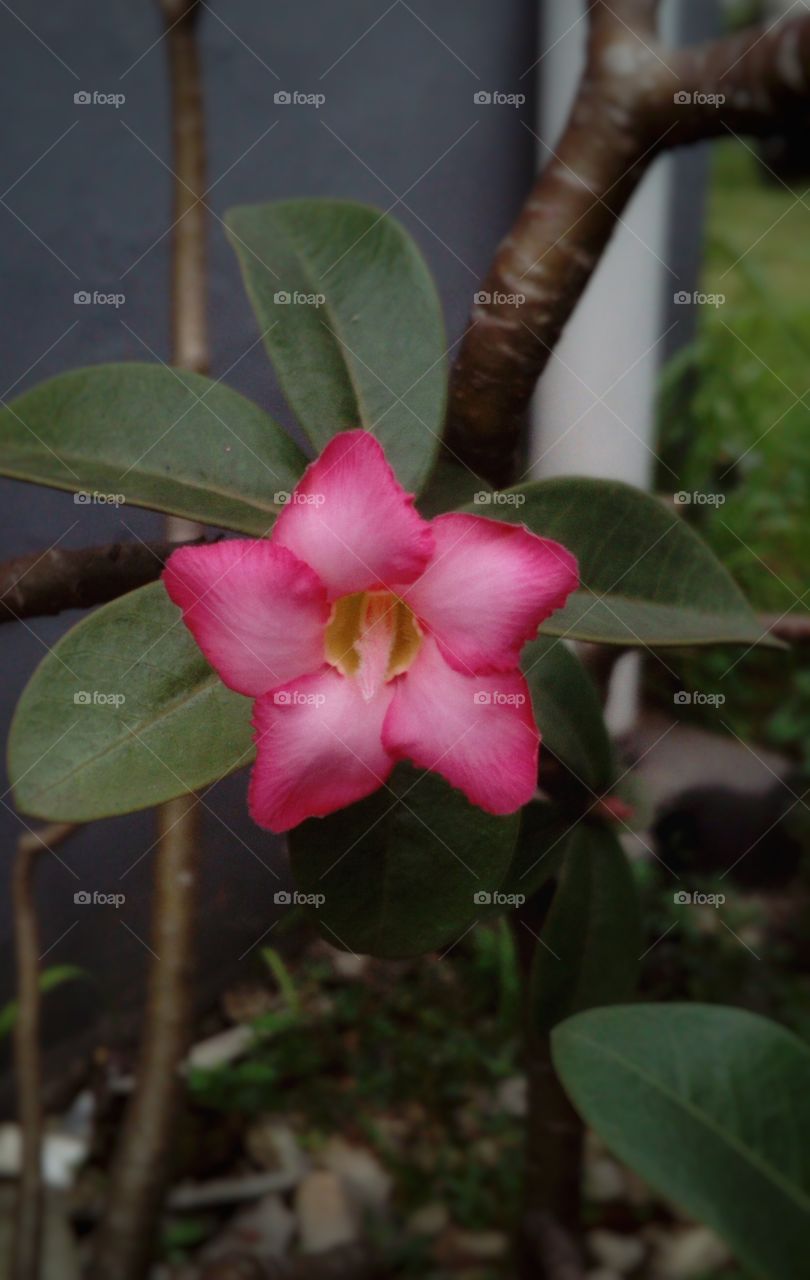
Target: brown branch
27, 1232
45, 583
626, 111
125, 1241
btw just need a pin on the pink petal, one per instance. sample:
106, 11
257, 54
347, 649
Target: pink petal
487, 589
319, 748
352, 522
478, 732
258, 614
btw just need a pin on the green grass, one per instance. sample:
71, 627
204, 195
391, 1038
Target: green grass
735, 421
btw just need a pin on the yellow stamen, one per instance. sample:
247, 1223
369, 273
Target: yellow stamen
366, 618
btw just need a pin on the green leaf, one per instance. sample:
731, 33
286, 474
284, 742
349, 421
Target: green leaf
177, 729
154, 437
712, 1107
591, 940
372, 353
568, 713
399, 872
647, 578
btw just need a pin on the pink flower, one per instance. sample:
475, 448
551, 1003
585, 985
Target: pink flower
368, 635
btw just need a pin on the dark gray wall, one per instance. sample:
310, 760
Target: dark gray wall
96, 200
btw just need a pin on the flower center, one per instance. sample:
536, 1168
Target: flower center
373, 636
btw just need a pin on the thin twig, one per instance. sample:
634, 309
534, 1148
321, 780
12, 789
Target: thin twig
125, 1241
27, 1235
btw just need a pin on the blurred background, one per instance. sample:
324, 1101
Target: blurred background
684, 370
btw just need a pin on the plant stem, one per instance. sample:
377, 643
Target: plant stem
550, 1226
125, 1242
27, 1235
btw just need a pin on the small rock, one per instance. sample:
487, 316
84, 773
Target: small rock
604, 1180
325, 1218
688, 1252
62, 1154
365, 1179
265, 1229
274, 1146
484, 1246
511, 1097
428, 1220
219, 1050
347, 965
620, 1253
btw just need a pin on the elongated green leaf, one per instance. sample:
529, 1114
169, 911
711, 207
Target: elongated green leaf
568, 712
406, 871
647, 578
122, 714
541, 845
153, 437
711, 1106
591, 939
351, 321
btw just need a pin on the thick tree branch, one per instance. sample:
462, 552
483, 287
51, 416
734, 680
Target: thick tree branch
635, 100
48, 582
